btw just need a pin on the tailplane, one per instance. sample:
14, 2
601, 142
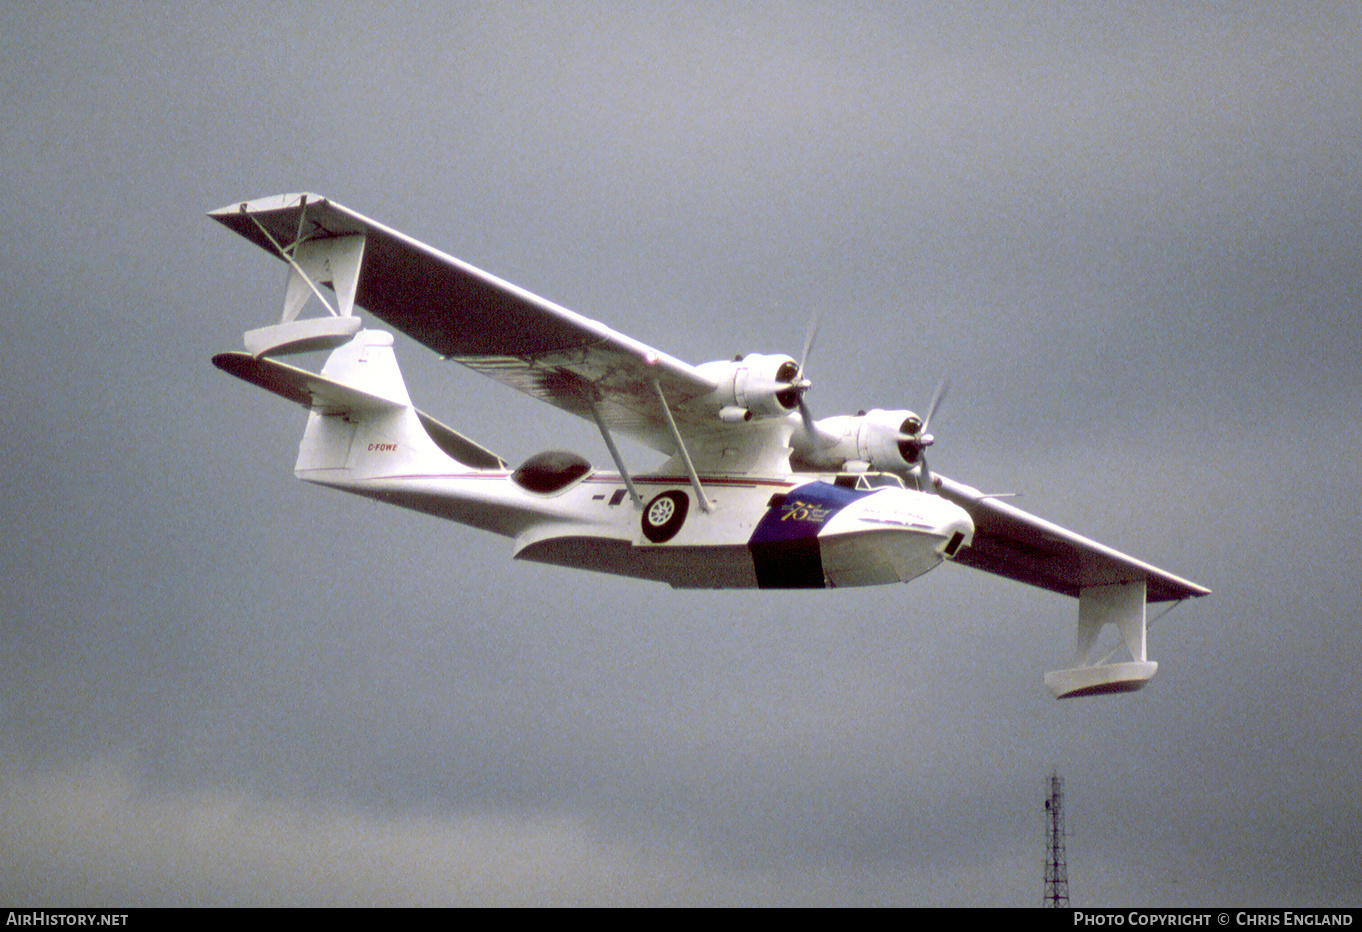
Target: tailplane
361, 423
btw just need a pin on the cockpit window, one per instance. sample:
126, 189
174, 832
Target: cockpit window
868, 481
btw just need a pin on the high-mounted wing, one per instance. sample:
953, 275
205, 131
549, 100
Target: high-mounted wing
1012, 543
504, 331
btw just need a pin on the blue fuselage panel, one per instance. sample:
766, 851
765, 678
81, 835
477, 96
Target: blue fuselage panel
784, 545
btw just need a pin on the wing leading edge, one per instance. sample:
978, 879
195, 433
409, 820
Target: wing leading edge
500, 329
577, 365
1012, 543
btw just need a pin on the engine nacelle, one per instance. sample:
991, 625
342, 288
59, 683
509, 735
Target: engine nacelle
754, 386
884, 441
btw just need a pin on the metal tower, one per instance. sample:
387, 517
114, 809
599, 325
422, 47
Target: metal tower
1056, 868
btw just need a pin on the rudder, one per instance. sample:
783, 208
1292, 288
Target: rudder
371, 429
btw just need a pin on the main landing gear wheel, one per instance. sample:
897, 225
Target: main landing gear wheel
664, 516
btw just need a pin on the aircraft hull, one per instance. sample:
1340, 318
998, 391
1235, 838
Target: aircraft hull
769, 533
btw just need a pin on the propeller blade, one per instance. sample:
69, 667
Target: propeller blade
924, 478
924, 440
804, 384
807, 416
937, 397
808, 342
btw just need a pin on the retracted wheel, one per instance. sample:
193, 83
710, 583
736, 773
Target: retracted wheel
664, 516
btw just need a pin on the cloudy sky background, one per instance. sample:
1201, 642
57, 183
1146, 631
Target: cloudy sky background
1130, 238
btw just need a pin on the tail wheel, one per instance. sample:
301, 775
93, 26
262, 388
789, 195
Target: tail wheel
664, 516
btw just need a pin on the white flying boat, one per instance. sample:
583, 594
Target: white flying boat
754, 492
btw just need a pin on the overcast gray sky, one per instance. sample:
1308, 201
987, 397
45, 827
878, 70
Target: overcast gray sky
1129, 236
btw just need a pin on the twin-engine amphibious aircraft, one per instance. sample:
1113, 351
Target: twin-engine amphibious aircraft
754, 493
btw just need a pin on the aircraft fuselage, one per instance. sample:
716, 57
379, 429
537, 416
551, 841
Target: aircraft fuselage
787, 532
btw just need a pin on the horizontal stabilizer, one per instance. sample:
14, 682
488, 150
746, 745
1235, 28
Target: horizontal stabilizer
301, 386
318, 392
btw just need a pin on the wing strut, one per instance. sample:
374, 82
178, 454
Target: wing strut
700, 496
334, 259
615, 455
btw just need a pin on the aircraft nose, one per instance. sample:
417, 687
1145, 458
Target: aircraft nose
955, 524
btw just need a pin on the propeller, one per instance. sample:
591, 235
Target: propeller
912, 436
790, 382
804, 413
920, 441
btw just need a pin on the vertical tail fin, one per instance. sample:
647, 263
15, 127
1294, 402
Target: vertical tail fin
361, 423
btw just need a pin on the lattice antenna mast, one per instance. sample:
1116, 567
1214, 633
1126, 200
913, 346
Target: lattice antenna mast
1056, 866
